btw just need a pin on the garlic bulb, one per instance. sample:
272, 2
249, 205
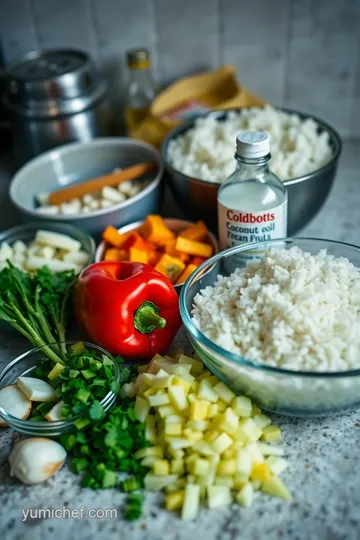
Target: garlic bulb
35, 460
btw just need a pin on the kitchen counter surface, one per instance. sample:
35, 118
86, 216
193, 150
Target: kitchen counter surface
324, 452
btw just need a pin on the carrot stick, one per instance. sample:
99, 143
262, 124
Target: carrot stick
96, 184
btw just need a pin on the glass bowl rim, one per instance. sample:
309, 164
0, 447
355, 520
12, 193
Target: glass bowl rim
74, 232
58, 424
232, 357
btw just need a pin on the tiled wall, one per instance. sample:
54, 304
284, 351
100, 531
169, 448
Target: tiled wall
297, 53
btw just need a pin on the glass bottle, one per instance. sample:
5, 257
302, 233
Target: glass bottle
252, 202
141, 87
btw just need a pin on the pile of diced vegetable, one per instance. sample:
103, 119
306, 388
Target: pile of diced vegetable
174, 255
206, 442
57, 251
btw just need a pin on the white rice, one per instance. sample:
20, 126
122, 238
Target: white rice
291, 310
207, 150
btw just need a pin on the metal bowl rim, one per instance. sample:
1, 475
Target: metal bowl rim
179, 130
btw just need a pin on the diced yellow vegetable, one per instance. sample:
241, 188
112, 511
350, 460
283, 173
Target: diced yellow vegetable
243, 462
206, 391
173, 419
250, 429
261, 420
229, 421
194, 386
197, 425
222, 406
143, 368
276, 464
255, 410
260, 471
242, 406
270, 449
177, 466
219, 496
224, 481
192, 435
191, 398
148, 461
166, 410
158, 399
149, 392
161, 467
255, 453
128, 390
173, 429
224, 392
178, 381
153, 482
141, 409
180, 483
155, 451
150, 432
211, 435
213, 380
176, 454
201, 467
196, 365
177, 443
227, 467
204, 375
56, 370
246, 495
240, 480
191, 501
190, 479
204, 448
199, 410
213, 409
177, 397
271, 433
174, 501
222, 443
275, 486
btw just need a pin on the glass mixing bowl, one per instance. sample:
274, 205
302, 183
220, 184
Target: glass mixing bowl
295, 393
24, 365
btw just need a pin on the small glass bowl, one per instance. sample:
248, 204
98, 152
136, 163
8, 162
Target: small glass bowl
294, 393
24, 365
27, 233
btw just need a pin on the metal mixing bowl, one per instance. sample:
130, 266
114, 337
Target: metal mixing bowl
197, 199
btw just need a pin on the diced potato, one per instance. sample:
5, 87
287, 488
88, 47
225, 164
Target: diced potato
213, 380
255, 453
224, 392
206, 392
150, 431
227, 467
175, 500
154, 451
243, 462
246, 495
190, 479
158, 399
222, 443
261, 420
194, 386
240, 480
260, 472
270, 449
229, 421
173, 419
196, 365
222, 406
193, 435
201, 467
226, 481
143, 368
178, 442
192, 398
149, 392
250, 429
178, 381
199, 410
173, 429
177, 466
219, 496
148, 461
128, 390
153, 482
177, 397
255, 410
277, 464
180, 483
141, 409
242, 406
166, 410
204, 448
275, 486
176, 454
191, 502
271, 433
213, 409
161, 467
198, 425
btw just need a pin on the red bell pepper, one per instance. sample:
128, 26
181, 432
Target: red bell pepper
128, 308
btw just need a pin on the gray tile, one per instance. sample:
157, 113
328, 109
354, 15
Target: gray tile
187, 37
355, 113
63, 24
17, 31
254, 37
321, 64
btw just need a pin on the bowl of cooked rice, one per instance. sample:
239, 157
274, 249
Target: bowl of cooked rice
199, 156
279, 322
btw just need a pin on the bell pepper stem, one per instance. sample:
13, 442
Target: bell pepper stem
147, 318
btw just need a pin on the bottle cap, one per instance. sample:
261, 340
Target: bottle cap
252, 144
138, 58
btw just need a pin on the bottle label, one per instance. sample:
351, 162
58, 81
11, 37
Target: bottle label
241, 227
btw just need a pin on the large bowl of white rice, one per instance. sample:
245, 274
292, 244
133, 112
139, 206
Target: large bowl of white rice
199, 156
280, 322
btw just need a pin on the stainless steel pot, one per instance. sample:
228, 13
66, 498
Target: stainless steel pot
54, 97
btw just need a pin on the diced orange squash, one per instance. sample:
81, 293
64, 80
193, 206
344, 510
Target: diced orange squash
197, 260
197, 232
186, 273
113, 237
154, 257
170, 250
193, 248
114, 254
155, 230
134, 240
138, 255
171, 267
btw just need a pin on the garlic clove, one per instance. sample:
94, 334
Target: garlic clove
55, 413
36, 389
14, 402
36, 459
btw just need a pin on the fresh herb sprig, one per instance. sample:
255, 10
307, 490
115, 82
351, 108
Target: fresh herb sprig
37, 306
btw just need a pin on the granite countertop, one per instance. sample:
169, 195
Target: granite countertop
323, 452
